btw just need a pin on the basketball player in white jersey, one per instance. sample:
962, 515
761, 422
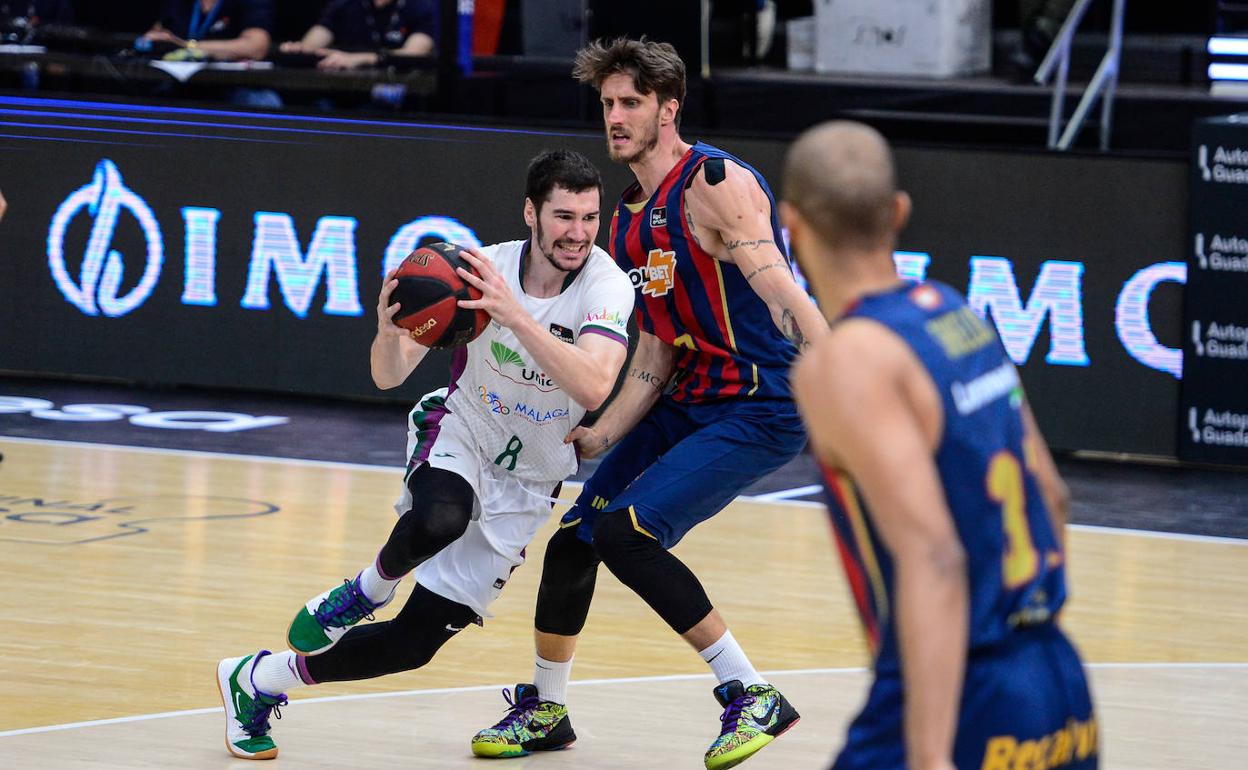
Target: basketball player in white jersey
487, 454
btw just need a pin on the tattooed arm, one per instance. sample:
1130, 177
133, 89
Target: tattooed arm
738, 211
651, 368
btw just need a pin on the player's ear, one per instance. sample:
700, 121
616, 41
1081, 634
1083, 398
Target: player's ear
530, 213
901, 210
791, 220
667, 113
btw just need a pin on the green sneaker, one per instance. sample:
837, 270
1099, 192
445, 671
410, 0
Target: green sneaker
752, 719
247, 709
530, 725
326, 618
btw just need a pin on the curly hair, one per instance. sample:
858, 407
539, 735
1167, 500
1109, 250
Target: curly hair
655, 67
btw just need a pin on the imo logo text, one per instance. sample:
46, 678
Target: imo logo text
277, 256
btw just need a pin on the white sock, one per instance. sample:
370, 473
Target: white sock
376, 586
728, 661
277, 674
551, 679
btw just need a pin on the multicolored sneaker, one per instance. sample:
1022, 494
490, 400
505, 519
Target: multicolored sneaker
247, 709
530, 725
325, 618
752, 718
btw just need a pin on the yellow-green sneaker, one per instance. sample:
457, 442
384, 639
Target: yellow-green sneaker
753, 717
531, 724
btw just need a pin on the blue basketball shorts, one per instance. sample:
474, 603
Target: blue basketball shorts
684, 463
1025, 703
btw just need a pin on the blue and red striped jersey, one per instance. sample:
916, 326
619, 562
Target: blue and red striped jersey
1015, 559
729, 345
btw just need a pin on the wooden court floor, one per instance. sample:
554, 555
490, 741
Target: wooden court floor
129, 573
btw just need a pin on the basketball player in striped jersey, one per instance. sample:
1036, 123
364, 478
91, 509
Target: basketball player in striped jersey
947, 507
486, 455
717, 305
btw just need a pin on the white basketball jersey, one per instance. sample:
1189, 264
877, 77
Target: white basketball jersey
517, 414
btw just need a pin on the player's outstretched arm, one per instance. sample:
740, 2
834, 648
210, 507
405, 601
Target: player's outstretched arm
651, 369
738, 210
394, 354
873, 411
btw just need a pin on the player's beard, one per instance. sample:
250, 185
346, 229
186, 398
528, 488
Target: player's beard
547, 250
645, 143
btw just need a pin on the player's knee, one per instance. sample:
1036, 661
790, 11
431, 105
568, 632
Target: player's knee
429, 529
618, 542
569, 561
567, 588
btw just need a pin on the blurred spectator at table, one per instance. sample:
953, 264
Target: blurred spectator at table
353, 34
224, 30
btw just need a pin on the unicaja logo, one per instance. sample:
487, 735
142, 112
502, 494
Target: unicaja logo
1193, 424
1200, 251
95, 291
1205, 173
1200, 346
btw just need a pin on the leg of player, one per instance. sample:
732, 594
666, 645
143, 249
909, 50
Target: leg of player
537, 717
255, 686
441, 509
755, 713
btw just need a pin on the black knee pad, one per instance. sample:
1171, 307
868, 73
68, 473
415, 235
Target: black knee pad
441, 508
568, 576
617, 541
644, 565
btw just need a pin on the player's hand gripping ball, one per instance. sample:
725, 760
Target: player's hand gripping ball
428, 291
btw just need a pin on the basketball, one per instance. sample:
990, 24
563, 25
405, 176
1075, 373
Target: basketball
428, 291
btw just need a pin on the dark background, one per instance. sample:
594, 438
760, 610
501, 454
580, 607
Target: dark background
1115, 215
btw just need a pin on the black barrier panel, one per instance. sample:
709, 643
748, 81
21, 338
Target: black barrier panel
228, 249
1213, 414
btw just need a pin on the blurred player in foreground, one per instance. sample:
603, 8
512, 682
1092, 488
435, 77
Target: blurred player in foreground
947, 506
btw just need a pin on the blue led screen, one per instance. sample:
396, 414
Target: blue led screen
229, 249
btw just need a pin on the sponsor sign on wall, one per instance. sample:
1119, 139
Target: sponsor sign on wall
1213, 414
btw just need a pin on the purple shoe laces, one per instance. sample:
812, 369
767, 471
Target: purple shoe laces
732, 714
349, 607
257, 723
516, 709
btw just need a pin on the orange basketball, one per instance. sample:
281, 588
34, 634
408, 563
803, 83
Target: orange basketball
428, 291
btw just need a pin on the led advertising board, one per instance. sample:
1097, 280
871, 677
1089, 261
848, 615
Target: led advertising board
245, 250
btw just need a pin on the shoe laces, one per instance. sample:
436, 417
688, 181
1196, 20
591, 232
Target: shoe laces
732, 714
256, 719
344, 607
516, 710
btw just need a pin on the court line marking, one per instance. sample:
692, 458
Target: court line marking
764, 498
575, 683
785, 494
